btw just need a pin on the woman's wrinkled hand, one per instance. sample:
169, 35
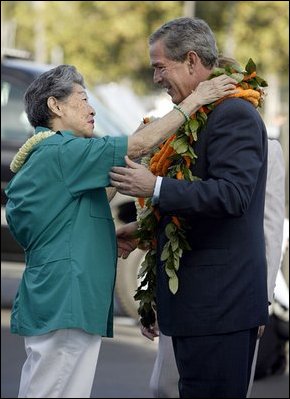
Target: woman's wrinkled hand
211, 90
126, 240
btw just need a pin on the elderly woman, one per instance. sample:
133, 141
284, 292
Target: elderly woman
58, 211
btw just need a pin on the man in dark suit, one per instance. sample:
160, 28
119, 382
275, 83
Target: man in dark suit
221, 301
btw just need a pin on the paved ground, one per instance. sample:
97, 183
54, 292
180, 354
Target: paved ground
124, 368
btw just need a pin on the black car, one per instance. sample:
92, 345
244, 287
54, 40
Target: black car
16, 75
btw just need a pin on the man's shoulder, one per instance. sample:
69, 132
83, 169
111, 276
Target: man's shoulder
235, 104
236, 109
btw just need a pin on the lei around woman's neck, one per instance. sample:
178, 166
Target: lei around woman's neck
22, 154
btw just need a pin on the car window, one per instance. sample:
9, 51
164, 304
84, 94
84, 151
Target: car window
14, 122
15, 125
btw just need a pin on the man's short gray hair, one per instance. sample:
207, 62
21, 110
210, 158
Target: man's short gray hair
184, 34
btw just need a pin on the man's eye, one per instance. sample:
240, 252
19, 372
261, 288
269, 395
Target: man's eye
159, 68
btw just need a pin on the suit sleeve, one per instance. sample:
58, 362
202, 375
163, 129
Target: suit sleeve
235, 153
274, 212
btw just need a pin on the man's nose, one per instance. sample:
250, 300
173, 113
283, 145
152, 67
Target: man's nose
157, 77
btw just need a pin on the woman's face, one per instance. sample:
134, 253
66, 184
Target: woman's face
77, 114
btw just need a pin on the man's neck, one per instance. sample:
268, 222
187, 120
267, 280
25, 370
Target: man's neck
203, 73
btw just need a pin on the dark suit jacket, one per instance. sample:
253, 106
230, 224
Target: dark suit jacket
222, 280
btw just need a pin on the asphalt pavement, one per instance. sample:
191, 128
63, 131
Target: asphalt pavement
124, 366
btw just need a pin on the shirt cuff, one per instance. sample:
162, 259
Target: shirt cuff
156, 193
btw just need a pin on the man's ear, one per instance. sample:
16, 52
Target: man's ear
192, 59
52, 104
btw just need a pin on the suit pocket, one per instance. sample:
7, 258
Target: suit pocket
202, 280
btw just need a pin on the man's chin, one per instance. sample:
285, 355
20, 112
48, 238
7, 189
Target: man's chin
176, 99
173, 99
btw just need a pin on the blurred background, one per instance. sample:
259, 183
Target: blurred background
108, 43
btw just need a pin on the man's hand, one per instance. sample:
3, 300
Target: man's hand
134, 180
150, 332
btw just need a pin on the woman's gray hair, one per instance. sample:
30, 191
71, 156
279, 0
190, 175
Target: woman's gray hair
57, 82
184, 34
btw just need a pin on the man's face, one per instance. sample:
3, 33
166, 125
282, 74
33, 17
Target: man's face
77, 113
171, 75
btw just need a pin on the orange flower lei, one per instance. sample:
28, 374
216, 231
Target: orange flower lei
174, 159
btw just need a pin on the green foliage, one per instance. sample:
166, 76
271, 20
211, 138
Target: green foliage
257, 33
107, 40
146, 291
